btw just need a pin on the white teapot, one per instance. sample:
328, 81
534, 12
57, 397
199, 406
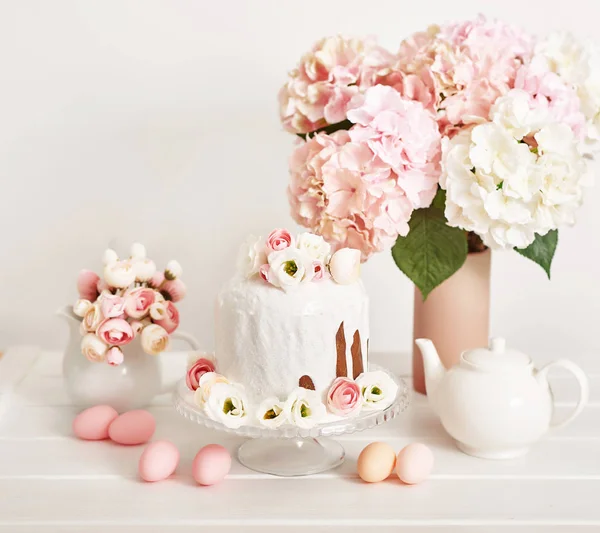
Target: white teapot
494, 403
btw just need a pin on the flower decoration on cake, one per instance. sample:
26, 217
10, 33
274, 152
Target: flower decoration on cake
473, 135
287, 262
227, 403
199, 363
272, 413
378, 389
305, 408
131, 299
344, 397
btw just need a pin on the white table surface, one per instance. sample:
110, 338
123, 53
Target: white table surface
52, 482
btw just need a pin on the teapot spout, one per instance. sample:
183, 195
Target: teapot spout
434, 369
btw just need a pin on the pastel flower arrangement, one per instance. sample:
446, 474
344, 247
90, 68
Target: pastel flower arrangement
131, 299
473, 135
227, 402
287, 262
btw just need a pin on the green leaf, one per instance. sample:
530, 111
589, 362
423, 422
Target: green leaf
439, 202
541, 250
329, 129
432, 251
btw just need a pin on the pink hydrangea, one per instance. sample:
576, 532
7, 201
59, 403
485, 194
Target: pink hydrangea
319, 90
359, 188
550, 92
470, 64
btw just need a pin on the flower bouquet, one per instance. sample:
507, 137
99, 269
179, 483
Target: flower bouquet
474, 135
131, 299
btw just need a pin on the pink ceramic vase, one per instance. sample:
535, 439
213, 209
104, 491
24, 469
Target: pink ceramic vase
455, 316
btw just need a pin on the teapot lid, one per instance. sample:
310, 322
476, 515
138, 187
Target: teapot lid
497, 357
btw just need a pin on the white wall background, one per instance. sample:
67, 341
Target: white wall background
157, 121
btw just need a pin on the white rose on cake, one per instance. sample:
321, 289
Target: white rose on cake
288, 268
227, 403
305, 408
272, 413
315, 246
377, 388
251, 256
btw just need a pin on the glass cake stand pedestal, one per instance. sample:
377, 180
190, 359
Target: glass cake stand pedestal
289, 450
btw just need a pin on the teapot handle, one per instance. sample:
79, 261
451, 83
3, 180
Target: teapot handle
193, 343
584, 388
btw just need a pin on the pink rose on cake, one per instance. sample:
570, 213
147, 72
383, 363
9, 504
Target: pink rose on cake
344, 397
278, 240
198, 366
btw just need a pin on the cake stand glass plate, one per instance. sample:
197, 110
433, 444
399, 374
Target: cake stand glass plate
290, 450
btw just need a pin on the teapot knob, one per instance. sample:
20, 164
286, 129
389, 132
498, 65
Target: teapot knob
498, 345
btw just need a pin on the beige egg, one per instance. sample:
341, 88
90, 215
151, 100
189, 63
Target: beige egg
414, 463
376, 462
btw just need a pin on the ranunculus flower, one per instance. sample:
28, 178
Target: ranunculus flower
137, 326
304, 408
173, 289
154, 339
345, 266
81, 307
138, 302
138, 251
271, 413
171, 319
377, 388
144, 270
114, 356
279, 239
173, 270
87, 285
251, 256
109, 257
120, 274
157, 280
205, 384
319, 271
93, 347
115, 332
344, 397
227, 404
92, 318
314, 245
287, 268
112, 306
158, 311
197, 369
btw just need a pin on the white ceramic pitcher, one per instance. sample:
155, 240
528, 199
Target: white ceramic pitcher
131, 385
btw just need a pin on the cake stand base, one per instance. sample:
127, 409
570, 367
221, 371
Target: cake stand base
291, 457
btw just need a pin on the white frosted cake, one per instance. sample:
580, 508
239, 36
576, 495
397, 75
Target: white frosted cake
291, 339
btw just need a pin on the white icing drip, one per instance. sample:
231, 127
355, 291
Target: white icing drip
266, 339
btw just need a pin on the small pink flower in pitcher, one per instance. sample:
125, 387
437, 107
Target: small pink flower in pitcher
154, 339
112, 306
158, 311
197, 370
137, 326
87, 285
138, 302
115, 332
279, 239
344, 398
92, 318
173, 289
93, 348
171, 320
114, 356
157, 280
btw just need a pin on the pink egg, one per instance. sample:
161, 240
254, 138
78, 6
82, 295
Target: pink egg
414, 463
211, 464
93, 423
158, 461
133, 427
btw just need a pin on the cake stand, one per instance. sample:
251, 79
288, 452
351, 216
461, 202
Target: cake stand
290, 450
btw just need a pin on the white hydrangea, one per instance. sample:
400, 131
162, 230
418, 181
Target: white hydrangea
579, 65
513, 178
